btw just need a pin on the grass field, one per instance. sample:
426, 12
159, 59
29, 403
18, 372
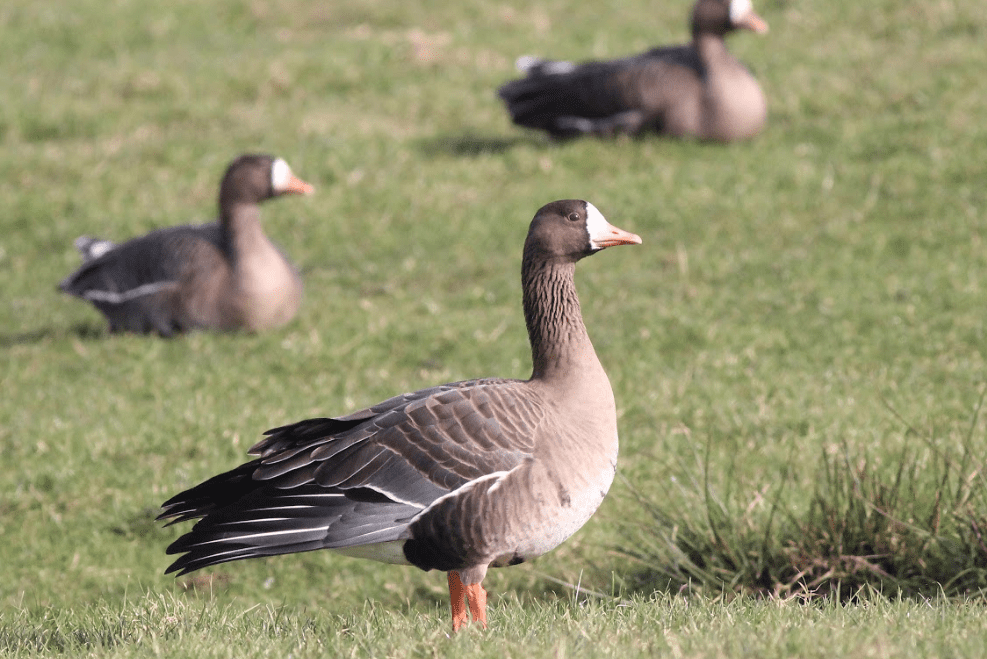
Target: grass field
796, 350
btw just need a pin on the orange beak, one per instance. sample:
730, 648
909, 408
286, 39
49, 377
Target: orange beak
298, 186
617, 236
751, 21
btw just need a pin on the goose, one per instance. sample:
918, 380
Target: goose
458, 477
224, 275
697, 90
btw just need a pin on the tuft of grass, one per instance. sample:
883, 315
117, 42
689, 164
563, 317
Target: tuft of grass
909, 526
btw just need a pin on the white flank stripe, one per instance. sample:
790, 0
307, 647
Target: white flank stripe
119, 298
394, 497
497, 475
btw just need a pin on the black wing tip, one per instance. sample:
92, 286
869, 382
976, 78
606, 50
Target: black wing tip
183, 507
194, 557
505, 91
178, 516
67, 285
183, 565
167, 515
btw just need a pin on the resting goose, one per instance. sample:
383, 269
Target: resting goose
459, 477
223, 275
697, 90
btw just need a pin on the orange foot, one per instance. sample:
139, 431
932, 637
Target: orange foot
460, 596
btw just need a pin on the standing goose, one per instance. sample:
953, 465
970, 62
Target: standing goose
223, 275
458, 477
698, 89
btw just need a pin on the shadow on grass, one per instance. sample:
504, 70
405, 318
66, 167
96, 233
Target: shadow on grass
471, 146
423, 594
83, 331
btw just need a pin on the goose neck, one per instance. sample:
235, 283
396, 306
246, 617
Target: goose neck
560, 346
710, 46
241, 228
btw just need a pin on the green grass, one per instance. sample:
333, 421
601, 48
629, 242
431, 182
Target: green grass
798, 342
165, 626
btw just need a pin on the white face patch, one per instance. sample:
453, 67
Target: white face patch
597, 226
280, 176
739, 9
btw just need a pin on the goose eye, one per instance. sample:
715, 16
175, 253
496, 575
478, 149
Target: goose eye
573, 217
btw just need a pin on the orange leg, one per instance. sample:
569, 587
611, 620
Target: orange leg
477, 599
460, 595
457, 593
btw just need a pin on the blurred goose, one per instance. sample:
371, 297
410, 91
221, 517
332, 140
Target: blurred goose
459, 477
697, 89
223, 275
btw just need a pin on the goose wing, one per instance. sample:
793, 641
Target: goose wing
602, 97
357, 480
155, 259
132, 283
